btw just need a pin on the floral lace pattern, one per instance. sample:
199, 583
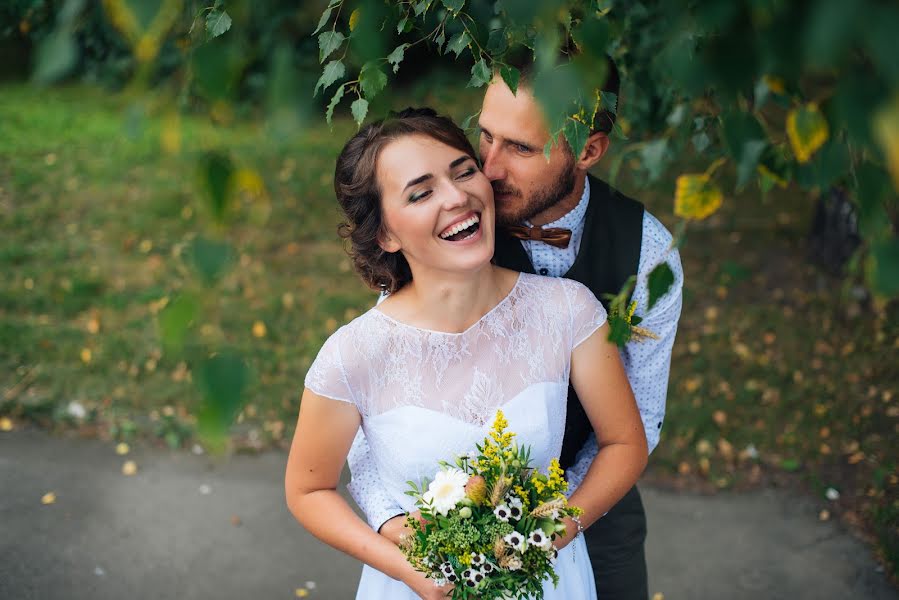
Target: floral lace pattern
380, 364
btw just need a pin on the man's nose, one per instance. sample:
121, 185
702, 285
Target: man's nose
493, 164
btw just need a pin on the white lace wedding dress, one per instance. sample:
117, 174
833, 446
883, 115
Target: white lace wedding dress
426, 396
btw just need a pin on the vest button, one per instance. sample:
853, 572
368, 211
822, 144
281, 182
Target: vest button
544, 271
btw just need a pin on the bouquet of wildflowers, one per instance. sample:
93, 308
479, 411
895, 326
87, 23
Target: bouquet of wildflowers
489, 521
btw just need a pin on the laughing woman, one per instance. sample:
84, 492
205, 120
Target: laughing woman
425, 371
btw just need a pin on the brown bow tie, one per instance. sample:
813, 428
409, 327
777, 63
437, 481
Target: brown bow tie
553, 236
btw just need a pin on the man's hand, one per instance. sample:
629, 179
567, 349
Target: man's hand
395, 529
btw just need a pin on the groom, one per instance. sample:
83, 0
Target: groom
555, 219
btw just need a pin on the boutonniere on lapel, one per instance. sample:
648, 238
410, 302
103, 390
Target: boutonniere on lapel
624, 325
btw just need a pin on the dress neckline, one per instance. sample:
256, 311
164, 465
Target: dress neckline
505, 299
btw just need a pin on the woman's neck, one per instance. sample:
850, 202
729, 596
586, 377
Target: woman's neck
450, 302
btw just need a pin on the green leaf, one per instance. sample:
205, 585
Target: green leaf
497, 42
335, 100
324, 19
659, 282
459, 42
328, 42
873, 190
404, 26
454, 6
175, 321
440, 40
211, 258
576, 133
56, 55
592, 37
217, 22
359, 108
746, 142
467, 122
619, 330
222, 379
396, 57
422, 6
511, 76
372, 79
790, 464
215, 172
217, 65
883, 268
480, 74
653, 156
333, 71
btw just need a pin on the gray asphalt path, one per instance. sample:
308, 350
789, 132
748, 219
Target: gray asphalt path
189, 527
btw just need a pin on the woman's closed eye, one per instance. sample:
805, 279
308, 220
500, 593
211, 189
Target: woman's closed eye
419, 196
467, 173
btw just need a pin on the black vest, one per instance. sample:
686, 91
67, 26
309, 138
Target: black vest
608, 255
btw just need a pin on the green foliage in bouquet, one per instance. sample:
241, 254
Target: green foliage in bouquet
489, 520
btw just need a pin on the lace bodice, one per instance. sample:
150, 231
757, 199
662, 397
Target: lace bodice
380, 364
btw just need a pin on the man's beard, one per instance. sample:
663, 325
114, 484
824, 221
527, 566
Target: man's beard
539, 201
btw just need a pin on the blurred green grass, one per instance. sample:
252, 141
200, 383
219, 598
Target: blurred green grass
778, 367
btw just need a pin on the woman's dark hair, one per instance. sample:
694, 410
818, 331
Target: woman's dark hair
359, 193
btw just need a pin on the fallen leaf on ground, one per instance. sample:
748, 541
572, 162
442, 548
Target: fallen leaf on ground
5, 424
48, 498
259, 329
129, 468
122, 449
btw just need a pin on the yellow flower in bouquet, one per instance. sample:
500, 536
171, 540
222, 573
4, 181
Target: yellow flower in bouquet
479, 531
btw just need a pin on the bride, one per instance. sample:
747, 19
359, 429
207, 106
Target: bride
424, 372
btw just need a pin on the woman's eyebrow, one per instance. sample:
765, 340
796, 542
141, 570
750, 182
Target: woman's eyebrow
459, 161
427, 176
417, 180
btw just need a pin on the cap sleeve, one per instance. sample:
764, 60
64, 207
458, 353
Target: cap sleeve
587, 313
327, 376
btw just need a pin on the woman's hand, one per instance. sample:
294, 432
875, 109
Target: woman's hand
396, 529
560, 541
426, 589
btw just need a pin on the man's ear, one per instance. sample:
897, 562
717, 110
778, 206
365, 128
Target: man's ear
596, 147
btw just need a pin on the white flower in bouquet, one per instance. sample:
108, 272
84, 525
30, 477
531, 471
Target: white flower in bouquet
502, 513
539, 539
515, 507
446, 491
515, 541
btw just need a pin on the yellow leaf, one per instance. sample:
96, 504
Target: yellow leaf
48, 498
93, 325
303, 592
886, 129
354, 19
331, 325
129, 468
259, 329
86, 355
5, 424
122, 449
170, 136
807, 130
775, 84
776, 179
696, 197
